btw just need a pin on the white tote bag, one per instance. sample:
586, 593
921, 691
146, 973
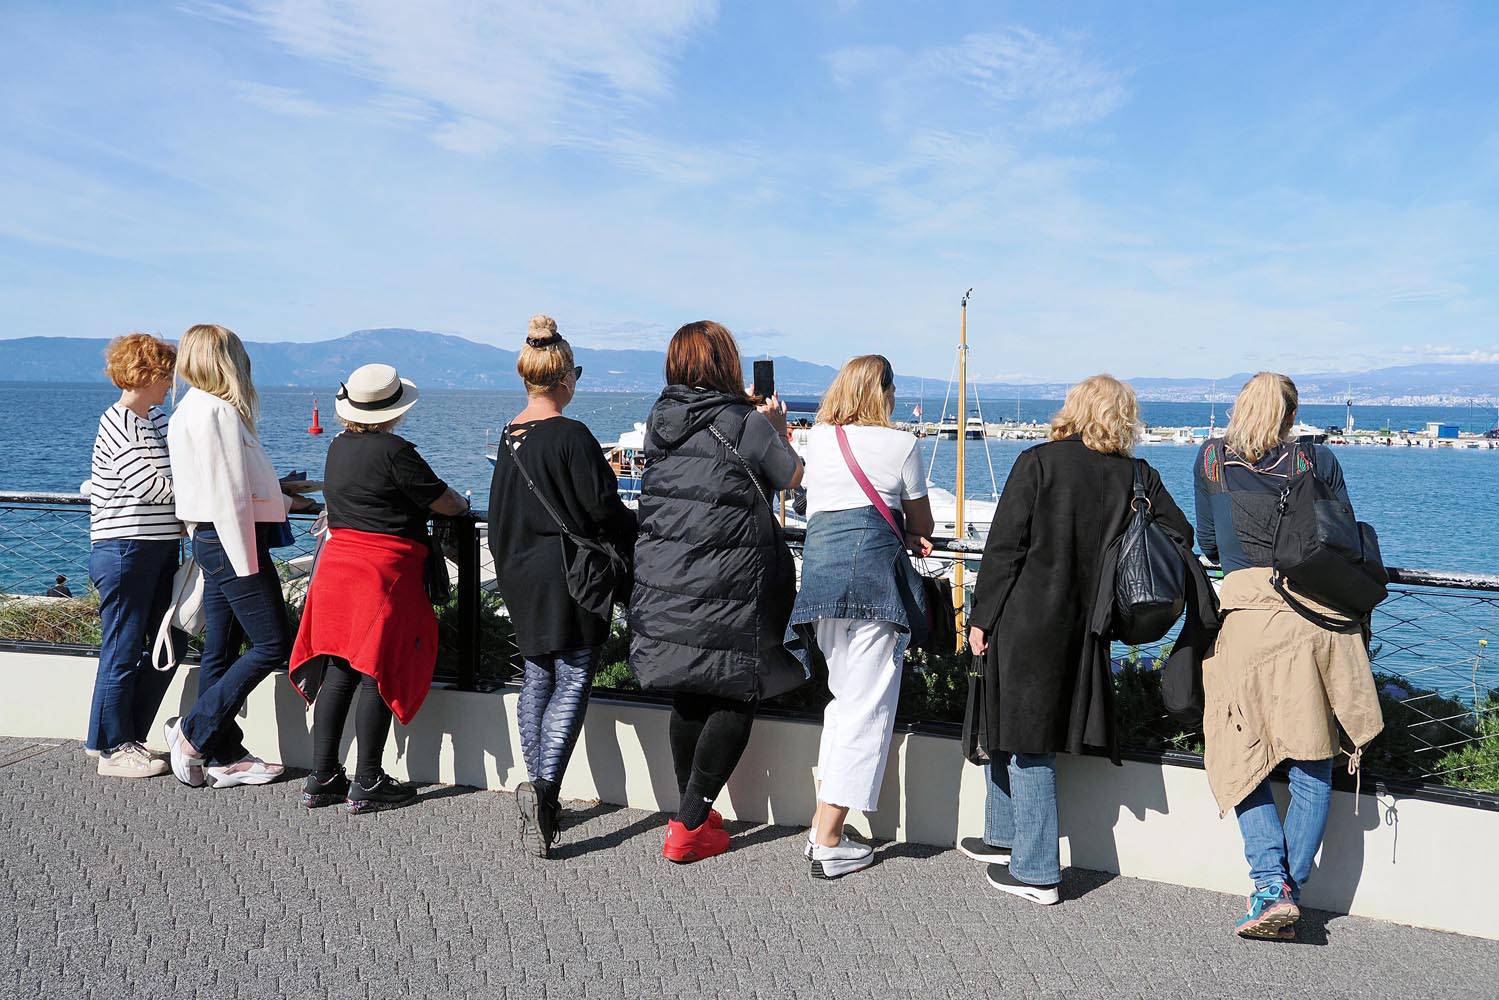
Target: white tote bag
183, 619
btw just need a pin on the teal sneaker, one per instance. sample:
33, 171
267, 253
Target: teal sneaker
1269, 911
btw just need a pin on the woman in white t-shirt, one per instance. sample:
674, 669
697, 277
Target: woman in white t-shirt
860, 596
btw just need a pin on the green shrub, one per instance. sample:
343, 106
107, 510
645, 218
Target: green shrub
73, 621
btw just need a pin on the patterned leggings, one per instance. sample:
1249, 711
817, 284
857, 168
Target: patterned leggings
553, 698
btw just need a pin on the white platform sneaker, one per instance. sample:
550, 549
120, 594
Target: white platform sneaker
835, 862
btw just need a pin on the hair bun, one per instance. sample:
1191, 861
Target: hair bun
542, 332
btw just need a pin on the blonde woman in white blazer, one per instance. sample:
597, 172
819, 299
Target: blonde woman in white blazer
228, 495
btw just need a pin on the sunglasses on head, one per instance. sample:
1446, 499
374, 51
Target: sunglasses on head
887, 373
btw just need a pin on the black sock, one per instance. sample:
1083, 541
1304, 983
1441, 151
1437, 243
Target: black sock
693, 812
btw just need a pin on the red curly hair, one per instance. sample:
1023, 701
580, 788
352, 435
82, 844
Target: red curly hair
138, 359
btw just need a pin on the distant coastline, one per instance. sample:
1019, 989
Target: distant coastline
436, 360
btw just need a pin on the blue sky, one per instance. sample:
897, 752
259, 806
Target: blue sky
1147, 188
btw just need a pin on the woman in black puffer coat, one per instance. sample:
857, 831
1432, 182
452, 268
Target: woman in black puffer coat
714, 581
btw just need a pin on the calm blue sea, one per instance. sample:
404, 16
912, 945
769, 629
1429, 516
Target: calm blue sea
1434, 509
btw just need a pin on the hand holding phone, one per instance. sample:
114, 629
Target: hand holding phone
765, 379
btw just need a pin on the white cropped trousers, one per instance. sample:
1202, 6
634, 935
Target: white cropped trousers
864, 676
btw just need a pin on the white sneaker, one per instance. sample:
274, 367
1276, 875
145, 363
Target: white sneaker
90, 752
835, 862
248, 770
188, 770
131, 760
807, 847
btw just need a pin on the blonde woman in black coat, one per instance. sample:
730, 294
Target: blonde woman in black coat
1064, 502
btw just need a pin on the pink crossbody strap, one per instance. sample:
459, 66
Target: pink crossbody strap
863, 481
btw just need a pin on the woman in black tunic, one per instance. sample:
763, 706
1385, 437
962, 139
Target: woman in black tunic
559, 640
1064, 502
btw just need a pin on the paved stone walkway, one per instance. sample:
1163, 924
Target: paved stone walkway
118, 889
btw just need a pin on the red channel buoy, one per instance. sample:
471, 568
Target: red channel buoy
316, 427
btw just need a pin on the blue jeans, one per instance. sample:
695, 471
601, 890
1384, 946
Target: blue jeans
1279, 852
235, 608
134, 580
1020, 813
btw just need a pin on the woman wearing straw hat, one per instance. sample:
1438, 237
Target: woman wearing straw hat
367, 624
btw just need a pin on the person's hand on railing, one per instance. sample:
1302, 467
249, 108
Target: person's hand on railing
978, 643
918, 546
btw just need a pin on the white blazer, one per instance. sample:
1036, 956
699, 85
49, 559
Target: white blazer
222, 476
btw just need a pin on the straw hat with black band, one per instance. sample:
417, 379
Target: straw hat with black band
374, 394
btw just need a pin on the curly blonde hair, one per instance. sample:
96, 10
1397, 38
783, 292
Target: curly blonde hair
1103, 411
137, 360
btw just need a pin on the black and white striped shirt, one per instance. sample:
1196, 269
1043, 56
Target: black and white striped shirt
130, 493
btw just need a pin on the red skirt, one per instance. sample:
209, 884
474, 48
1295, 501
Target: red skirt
367, 604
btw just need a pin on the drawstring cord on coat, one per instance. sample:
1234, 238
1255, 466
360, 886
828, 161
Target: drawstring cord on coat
1356, 768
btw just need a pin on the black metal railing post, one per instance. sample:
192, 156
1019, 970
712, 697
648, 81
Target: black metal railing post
466, 537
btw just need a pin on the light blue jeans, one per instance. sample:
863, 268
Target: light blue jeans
1283, 852
1020, 813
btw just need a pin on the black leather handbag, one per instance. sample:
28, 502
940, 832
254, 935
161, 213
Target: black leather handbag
597, 576
1150, 582
1322, 552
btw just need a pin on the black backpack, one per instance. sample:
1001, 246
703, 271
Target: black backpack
1321, 551
1150, 581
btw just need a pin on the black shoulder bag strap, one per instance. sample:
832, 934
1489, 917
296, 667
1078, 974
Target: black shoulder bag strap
531, 485
723, 439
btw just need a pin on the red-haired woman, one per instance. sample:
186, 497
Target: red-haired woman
714, 582
136, 539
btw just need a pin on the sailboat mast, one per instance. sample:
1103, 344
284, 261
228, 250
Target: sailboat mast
958, 532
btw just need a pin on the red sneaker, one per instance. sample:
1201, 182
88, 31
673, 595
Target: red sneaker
715, 819
684, 846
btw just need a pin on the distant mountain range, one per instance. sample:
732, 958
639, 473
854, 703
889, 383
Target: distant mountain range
435, 360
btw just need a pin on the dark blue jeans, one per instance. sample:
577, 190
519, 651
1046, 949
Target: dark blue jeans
134, 580
235, 608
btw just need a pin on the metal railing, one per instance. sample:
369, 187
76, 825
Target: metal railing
1433, 653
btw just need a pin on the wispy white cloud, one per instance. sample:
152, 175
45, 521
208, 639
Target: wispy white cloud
490, 74
281, 100
1031, 81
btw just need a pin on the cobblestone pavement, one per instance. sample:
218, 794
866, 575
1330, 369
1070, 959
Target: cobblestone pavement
122, 889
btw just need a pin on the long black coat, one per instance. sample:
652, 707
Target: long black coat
1061, 507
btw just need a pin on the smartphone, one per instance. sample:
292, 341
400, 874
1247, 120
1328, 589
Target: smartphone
765, 379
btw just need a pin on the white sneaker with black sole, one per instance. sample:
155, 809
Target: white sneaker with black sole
999, 876
975, 848
835, 862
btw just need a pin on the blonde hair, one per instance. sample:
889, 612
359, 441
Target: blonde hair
547, 357
858, 395
355, 427
1262, 415
137, 360
1103, 411
213, 358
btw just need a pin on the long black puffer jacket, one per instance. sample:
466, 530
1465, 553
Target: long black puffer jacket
714, 581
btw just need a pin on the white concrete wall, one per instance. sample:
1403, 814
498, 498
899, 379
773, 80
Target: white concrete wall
1400, 859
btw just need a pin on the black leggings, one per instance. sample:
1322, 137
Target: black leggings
331, 708
708, 736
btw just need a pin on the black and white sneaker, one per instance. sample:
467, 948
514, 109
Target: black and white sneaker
321, 790
384, 793
835, 862
1000, 877
537, 830
975, 848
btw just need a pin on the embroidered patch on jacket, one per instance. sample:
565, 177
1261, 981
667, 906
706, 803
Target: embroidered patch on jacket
1212, 464
1302, 462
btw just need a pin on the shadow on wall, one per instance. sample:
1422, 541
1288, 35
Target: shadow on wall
1090, 805
603, 750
